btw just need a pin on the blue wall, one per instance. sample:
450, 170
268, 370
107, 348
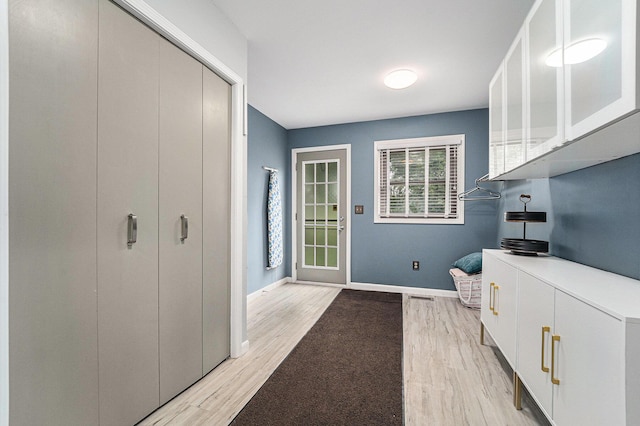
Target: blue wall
382, 253
594, 215
267, 146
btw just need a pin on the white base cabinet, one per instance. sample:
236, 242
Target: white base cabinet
589, 365
535, 314
498, 314
577, 339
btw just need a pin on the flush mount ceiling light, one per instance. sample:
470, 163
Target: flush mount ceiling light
400, 79
577, 52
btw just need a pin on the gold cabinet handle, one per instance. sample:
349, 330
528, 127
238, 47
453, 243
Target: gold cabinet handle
491, 296
545, 330
555, 338
495, 290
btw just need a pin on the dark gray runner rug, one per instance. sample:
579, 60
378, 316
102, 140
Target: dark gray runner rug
347, 370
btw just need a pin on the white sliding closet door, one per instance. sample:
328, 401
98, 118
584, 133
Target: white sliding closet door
180, 176
127, 184
216, 210
53, 363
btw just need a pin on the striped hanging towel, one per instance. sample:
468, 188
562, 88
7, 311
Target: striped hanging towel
274, 221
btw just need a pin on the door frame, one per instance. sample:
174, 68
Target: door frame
294, 207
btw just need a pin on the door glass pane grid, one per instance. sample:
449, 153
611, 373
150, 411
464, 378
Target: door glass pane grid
321, 214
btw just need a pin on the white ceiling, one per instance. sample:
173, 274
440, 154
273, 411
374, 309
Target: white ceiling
321, 62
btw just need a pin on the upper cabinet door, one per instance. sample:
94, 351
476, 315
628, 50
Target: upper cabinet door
599, 48
514, 146
544, 89
496, 124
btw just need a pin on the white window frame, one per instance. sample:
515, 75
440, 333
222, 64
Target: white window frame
425, 142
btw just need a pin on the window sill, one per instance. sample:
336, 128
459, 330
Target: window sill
419, 221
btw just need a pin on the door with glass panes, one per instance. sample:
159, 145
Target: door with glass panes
321, 216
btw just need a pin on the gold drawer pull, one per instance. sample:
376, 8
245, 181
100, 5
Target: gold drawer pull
542, 366
491, 296
555, 338
495, 289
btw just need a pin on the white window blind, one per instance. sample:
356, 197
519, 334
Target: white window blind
417, 180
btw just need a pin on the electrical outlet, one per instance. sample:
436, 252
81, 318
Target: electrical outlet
416, 265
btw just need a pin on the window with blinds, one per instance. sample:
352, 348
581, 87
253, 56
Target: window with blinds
418, 180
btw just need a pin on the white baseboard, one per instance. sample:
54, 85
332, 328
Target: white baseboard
320, 284
267, 288
413, 291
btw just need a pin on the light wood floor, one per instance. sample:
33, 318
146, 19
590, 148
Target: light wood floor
449, 379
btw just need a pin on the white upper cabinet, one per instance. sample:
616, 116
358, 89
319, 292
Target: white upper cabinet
579, 88
496, 125
544, 83
599, 64
514, 147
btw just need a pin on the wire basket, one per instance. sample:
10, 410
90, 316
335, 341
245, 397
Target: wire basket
469, 287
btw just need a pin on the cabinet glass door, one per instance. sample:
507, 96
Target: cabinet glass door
496, 125
514, 148
544, 91
599, 46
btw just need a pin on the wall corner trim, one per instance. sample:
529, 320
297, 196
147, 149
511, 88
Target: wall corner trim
244, 348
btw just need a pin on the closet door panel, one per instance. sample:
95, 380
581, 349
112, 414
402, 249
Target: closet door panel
180, 178
127, 184
53, 365
216, 209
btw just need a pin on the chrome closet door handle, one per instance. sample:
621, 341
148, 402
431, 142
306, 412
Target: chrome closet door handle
132, 229
184, 228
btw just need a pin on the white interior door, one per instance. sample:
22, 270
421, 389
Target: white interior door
322, 216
